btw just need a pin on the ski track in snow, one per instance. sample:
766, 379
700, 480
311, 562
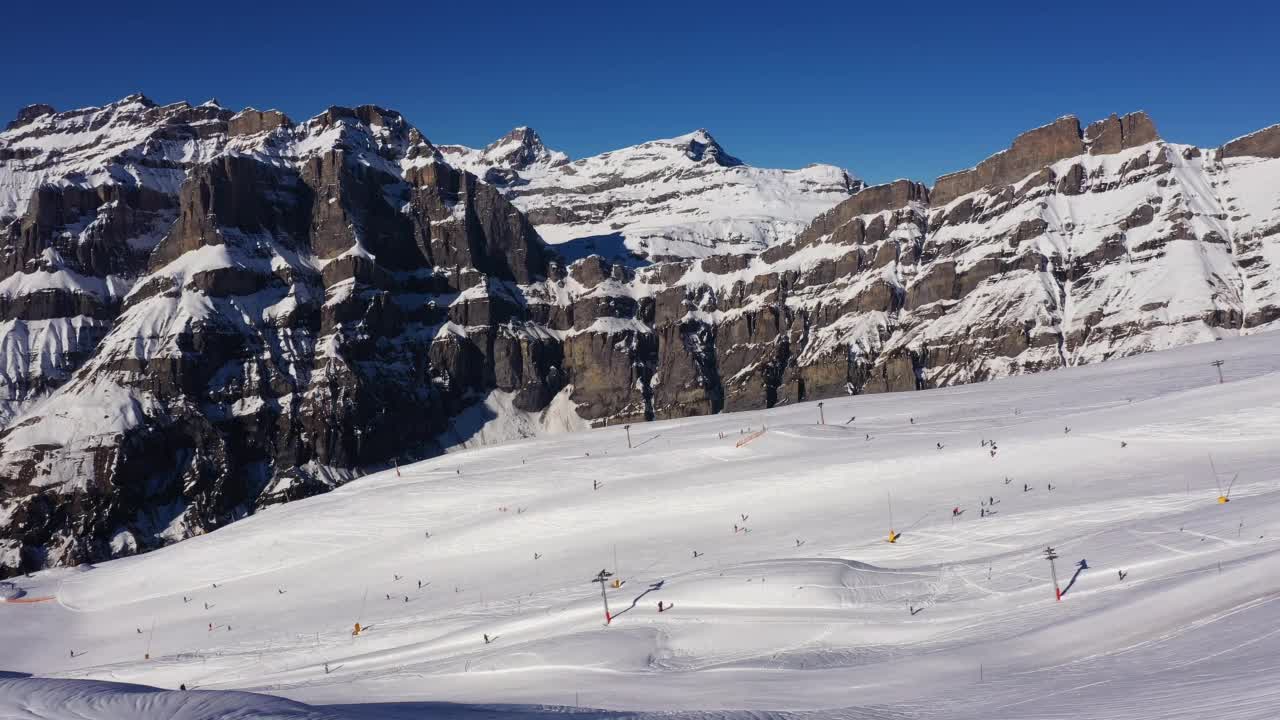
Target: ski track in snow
760, 627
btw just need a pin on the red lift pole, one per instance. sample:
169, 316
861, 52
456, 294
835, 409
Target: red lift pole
602, 578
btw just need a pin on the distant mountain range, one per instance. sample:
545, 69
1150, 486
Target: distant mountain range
206, 311
673, 199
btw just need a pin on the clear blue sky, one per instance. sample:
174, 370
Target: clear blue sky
886, 89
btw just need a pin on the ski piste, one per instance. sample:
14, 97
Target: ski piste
1179, 594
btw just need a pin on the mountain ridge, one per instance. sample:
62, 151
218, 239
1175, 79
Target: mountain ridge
207, 312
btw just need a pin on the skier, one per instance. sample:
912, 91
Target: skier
1122, 574
913, 421
419, 584
660, 606
955, 511
183, 687
1066, 430
486, 639
326, 668
1025, 487
939, 446
1123, 444
139, 631
982, 512
1050, 487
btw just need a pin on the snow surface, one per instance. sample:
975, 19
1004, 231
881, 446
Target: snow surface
761, 626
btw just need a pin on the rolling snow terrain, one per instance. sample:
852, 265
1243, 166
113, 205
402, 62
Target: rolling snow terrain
785, 600
204, 313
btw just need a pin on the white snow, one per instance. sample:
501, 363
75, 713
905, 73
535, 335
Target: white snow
497, 419
761, 626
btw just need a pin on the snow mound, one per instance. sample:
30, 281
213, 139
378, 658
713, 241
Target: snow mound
48, 699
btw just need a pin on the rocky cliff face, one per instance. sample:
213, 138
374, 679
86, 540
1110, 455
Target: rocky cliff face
206, 312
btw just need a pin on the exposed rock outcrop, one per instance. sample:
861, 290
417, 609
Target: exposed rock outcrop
1263, 143
1110, 136
1030, 151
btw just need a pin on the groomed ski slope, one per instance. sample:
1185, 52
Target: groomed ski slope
761, 627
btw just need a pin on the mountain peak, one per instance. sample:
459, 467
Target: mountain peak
29, 113
135, 99
700, 146
521, 148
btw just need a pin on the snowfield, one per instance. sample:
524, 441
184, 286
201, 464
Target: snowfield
807, 612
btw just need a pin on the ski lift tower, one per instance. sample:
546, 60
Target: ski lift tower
1050, 554
1218, 364
602, 577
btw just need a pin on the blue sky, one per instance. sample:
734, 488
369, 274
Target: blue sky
906, 89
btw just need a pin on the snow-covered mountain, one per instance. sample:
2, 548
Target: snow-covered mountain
205, 312
682, 197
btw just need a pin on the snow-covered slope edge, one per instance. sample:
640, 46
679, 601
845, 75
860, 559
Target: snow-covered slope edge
48, 699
